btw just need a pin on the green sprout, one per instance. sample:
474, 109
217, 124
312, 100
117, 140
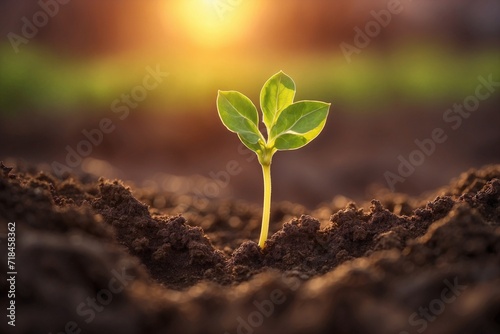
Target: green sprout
290, 125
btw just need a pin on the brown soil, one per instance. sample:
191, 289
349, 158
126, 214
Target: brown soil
101, 257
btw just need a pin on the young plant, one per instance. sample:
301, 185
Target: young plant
290, 125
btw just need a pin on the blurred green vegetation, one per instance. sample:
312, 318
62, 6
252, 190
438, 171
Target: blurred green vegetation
39, 81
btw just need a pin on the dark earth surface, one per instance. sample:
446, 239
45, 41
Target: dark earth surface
101, 257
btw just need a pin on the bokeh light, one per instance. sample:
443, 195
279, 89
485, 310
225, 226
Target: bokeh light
212, 23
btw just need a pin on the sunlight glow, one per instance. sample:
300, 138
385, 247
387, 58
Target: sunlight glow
214, 23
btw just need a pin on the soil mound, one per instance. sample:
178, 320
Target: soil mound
102, 257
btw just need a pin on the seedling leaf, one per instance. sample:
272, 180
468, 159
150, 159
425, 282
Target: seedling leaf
240, 115
299, 124
276, 94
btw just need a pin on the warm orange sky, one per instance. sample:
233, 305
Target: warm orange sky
95, 27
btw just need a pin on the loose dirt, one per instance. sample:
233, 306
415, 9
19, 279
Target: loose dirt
103, 257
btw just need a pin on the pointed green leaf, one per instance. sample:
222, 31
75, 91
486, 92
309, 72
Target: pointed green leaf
298, 124
240, 115
276, 94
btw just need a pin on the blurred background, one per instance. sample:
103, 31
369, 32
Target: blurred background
391, 69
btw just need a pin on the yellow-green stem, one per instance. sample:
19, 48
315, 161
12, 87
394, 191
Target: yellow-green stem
266, 210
